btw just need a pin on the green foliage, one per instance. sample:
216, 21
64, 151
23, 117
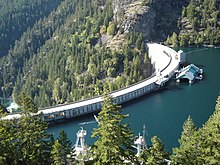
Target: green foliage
200, 146
109, 148
57, 154
26, 104
62, 58
1, 110
184, 153
28, 44
17, 16
24, 141
155, 154
111, 28
199, 24
65, 143
173, 40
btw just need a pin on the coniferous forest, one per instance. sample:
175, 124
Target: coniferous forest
55, 52
198, 25
26, 141
61, 58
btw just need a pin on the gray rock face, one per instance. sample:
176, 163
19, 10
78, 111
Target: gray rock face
131, 14
145, 22
119, 7
155, 19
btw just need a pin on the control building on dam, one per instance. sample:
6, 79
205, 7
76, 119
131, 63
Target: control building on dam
165, 60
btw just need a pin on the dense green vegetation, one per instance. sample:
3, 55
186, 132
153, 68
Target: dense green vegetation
25, 141
67, 61
57, 53
114, 139
199, 24
18, 16
28, 44
200, 146
1, 109
53, 51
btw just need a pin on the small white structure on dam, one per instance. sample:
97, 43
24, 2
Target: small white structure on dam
166, 61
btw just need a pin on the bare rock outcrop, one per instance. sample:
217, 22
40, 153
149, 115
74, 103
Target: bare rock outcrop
155, 19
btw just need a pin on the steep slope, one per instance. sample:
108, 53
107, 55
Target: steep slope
155, 19
18, 16
199, 24
83, 46
29, 43
69, 62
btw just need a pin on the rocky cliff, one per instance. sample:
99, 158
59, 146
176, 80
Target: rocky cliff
155, 19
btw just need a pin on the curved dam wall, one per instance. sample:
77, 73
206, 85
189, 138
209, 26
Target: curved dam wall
165, 61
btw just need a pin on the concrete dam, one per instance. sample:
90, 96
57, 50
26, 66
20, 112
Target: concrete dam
165, 60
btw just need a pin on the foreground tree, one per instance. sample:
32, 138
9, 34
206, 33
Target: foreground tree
208, 141
185, 154
60, 149
114, 139
200, 146
24, 141
155, 154
65, 142
58, 156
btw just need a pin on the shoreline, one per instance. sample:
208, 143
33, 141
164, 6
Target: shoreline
165, 60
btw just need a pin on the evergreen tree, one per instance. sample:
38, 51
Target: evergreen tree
114, 143
33, 140
111, 28
48, 59
58, 156
26, 104
188, 130
2, 112
66, 145
199, 23
199, 146
208, 141
155, 155
174, 40
185, 153
24, 141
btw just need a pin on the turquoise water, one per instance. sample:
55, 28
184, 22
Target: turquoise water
164, 112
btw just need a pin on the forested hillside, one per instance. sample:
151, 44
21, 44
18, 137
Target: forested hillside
28, 44
66, 50
62, 58
199, 24
17, 16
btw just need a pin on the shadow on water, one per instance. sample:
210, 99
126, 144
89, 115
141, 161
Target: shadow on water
81, 120
171, 86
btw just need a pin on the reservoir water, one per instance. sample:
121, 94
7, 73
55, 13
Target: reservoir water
163, 112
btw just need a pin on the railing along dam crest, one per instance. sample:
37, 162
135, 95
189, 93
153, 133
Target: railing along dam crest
165, 61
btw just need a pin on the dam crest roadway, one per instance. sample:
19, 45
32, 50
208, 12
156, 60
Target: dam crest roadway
165, 60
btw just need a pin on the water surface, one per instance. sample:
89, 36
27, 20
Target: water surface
164, 112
